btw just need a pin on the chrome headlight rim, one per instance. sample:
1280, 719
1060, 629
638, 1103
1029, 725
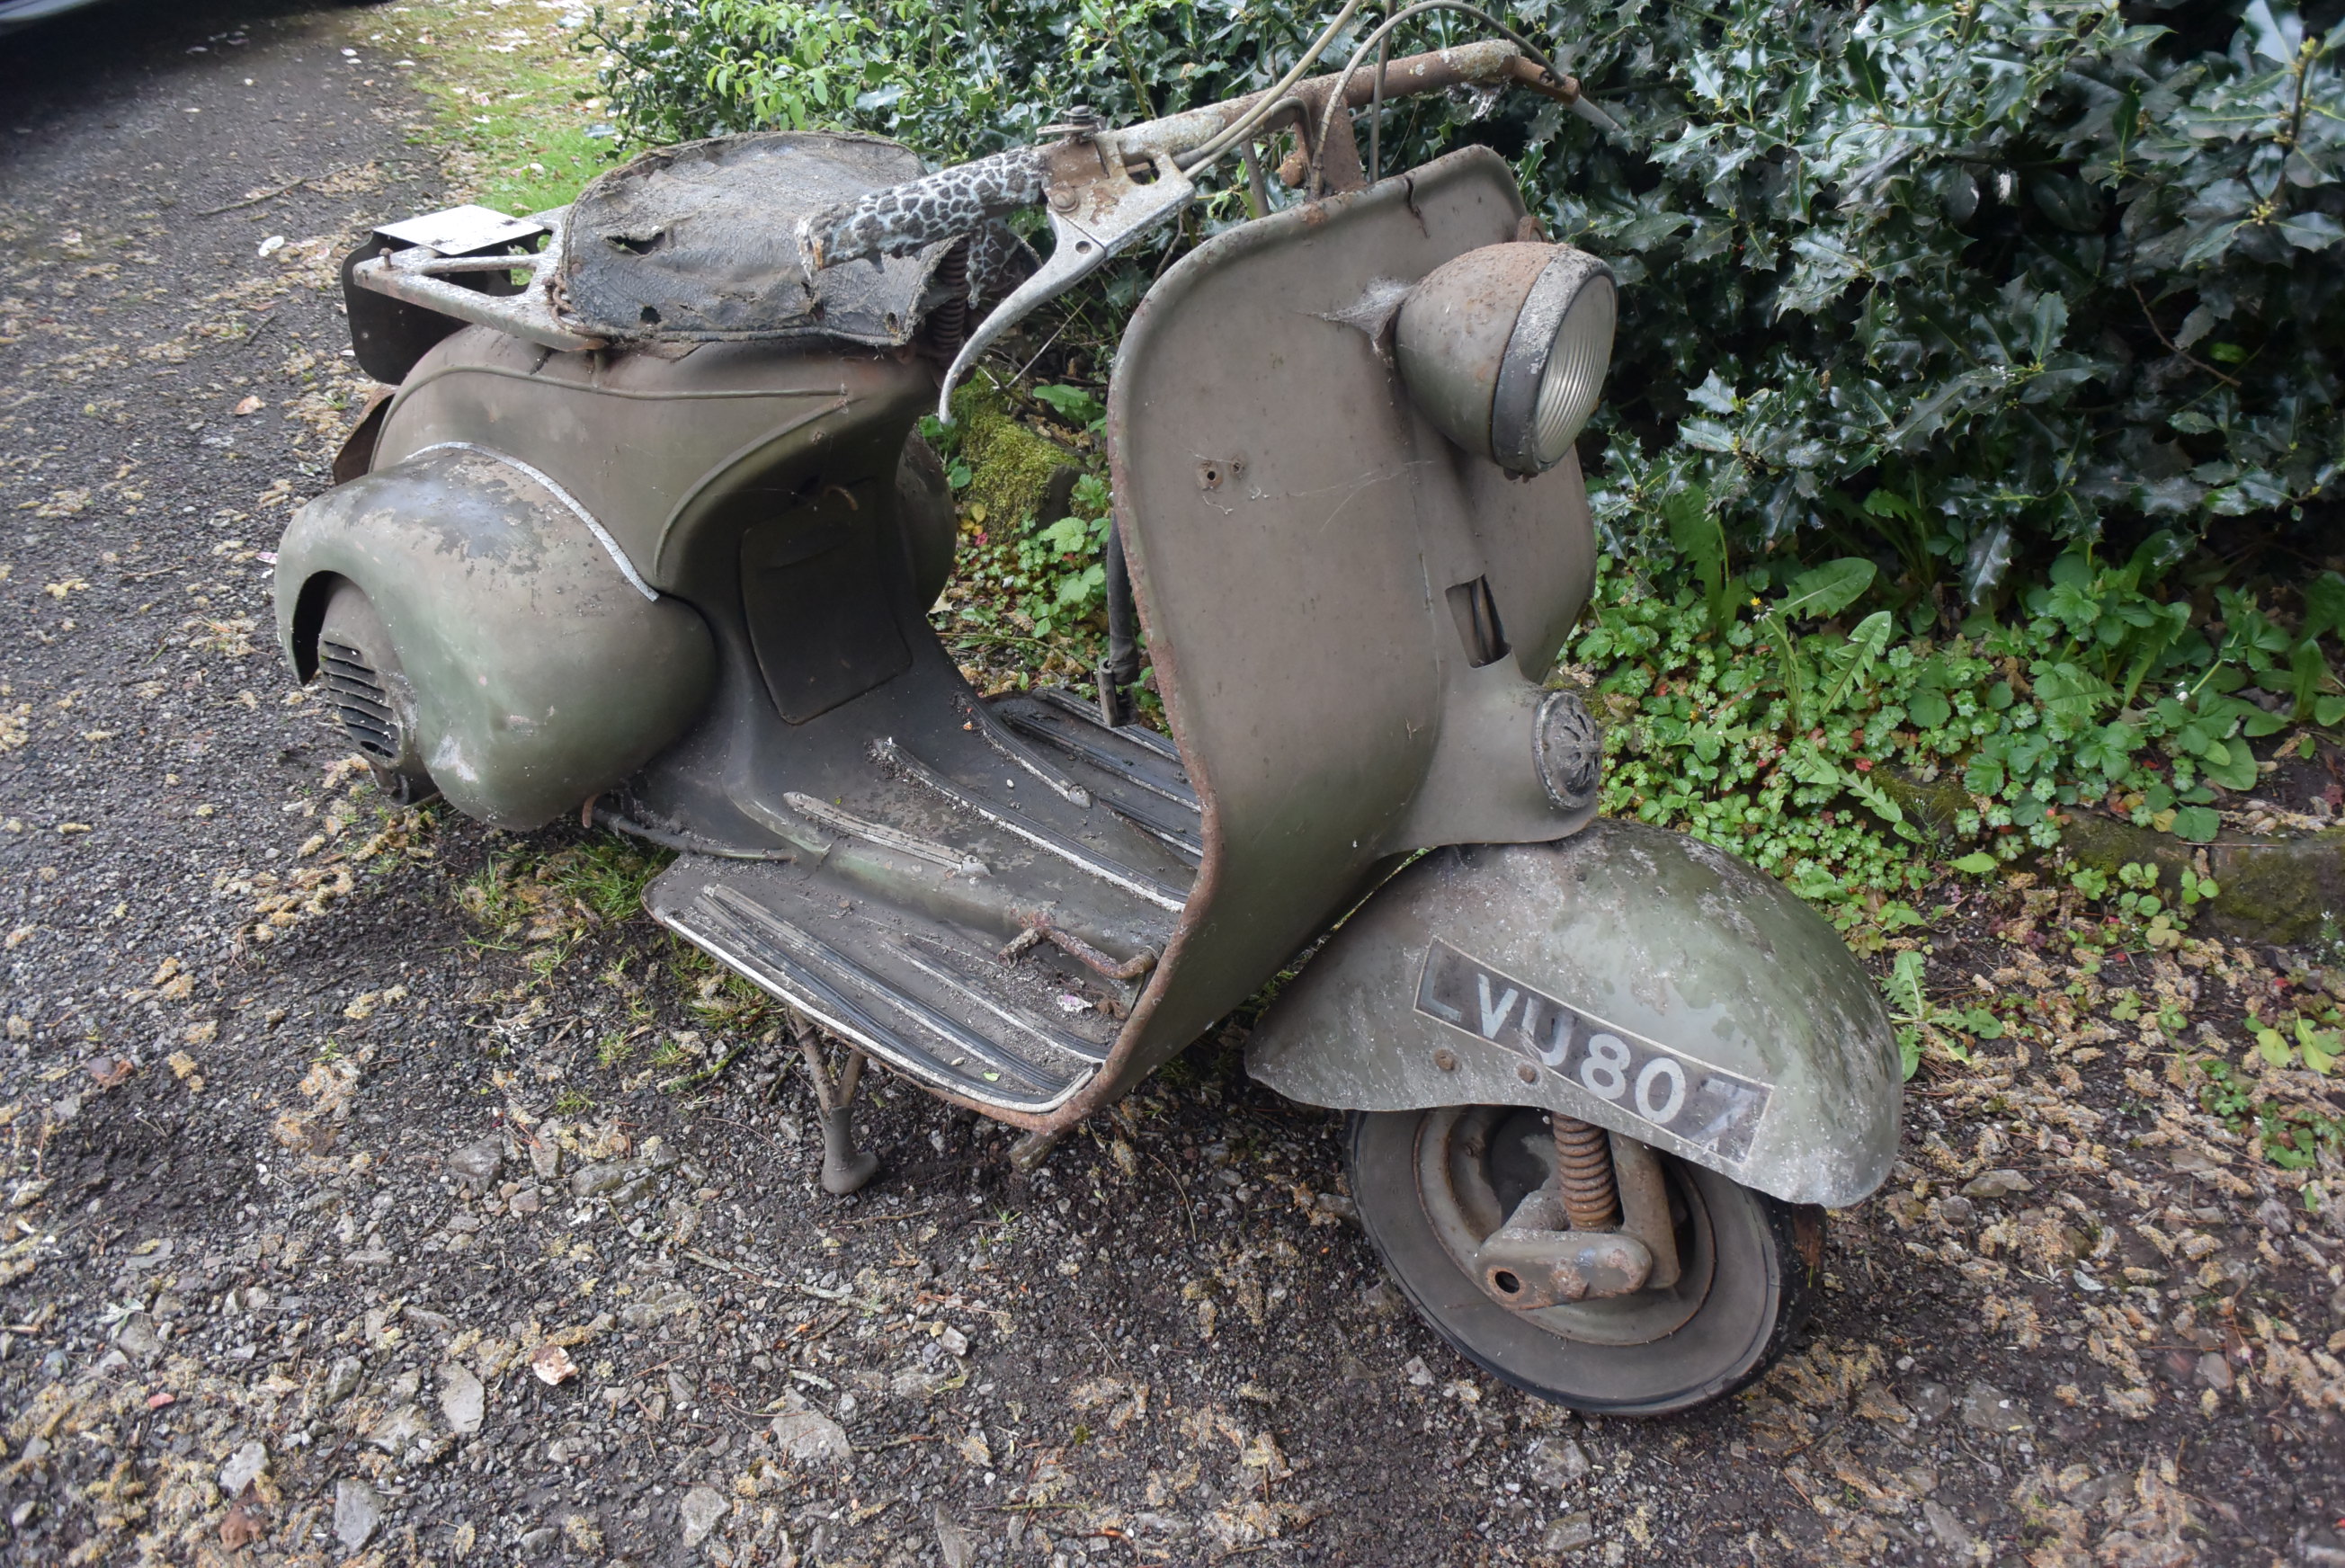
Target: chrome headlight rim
1562, 284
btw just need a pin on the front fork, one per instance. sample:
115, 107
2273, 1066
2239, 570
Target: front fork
1600, 1227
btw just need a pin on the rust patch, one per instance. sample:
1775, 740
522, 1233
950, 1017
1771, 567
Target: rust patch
1808, 1235
356, 458
1214, 472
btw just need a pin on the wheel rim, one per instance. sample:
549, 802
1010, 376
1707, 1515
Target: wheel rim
1475, 1163
1431, 1184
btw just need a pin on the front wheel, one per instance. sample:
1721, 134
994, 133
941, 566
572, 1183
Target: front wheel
1432, 1185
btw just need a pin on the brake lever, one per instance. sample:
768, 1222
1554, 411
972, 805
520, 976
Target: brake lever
1090, 221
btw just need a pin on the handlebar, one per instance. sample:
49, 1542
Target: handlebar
1105, 188
956, 201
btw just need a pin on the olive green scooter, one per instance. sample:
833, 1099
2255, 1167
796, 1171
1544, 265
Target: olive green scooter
645, 534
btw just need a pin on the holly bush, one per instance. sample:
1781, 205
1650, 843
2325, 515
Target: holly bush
1966, 285
1960, 283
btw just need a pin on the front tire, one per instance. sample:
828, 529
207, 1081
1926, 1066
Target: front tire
1430, 1184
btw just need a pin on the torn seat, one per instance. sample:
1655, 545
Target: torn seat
697, 242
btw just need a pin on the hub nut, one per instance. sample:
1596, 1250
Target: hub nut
1570, 746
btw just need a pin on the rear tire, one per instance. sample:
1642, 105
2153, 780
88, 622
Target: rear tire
371, 699
1431, 1184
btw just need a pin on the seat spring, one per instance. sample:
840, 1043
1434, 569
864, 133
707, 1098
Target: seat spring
948, 322
1583, 1174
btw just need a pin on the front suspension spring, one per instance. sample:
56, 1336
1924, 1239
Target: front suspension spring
1583, 1174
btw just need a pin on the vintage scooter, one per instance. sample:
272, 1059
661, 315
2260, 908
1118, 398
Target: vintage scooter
645, 535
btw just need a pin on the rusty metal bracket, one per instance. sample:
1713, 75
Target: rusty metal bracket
1105, 188
1644, 1196
420, 275
1532, 1263
845, 1168
1040, 930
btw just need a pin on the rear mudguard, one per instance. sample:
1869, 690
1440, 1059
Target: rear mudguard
1626, 976
544, 669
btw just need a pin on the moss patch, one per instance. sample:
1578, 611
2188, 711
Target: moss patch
1011, 464
2280, 889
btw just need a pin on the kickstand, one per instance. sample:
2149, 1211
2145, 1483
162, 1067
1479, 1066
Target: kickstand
845, 1168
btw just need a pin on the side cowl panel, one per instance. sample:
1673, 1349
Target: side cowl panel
544, 670
1626, 976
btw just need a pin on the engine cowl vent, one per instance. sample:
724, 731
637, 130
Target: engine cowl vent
360, 701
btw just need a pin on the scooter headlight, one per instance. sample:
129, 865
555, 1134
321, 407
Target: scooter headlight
1505, 350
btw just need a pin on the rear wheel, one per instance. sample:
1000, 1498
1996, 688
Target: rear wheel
368, 692
1431, 1185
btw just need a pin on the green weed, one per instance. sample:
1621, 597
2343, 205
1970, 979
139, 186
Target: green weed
1925, 1028
2292, 1137
512, 89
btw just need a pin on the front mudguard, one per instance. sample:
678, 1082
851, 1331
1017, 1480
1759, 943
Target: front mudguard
1626, 976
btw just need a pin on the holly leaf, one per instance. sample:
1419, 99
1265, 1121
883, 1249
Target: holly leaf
2310, 230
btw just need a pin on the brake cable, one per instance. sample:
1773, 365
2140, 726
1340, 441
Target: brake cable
1267, 104
1336, 94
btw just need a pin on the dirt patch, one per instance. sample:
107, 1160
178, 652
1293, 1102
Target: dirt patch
370, 1192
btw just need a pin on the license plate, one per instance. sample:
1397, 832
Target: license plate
1704, 1106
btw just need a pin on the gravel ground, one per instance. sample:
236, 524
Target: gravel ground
361, 1203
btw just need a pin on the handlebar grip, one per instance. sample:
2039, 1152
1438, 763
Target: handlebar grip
904, 218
